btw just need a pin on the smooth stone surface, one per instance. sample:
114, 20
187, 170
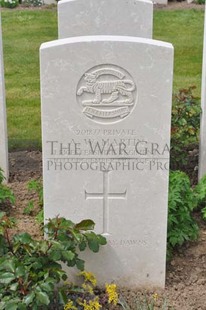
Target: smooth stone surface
3, 122
202, 145
105, 17
106, 109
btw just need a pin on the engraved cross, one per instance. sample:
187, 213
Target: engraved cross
105, 195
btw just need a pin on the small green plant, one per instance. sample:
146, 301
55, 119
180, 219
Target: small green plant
200, 195
200, 1
204, 213
30, 270
36, 186
29, 209
9, 3
34, 3
6, 195
185, 126
182, 201
40, 217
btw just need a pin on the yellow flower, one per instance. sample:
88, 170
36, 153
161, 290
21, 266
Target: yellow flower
70, 306
91, 305
155, 296
111, 290
89, 277
88, 288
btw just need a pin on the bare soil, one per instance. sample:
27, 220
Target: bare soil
186, 273
24, 167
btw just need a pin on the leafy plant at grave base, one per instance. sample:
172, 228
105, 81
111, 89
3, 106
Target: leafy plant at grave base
89, 297
36, 186
184, 127
40, 217
6, 195
200, 1
200, 195
182, 201
29, 209
31, 269
9, 3
34, 3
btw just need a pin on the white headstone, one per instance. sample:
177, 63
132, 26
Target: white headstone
161, 2
3, 123
202, 146
105, 17
106, 108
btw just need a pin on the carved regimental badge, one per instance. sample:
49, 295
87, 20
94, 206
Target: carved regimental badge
106, 93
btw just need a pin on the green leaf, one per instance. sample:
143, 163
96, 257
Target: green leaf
8, 265
64, 277
204, 213
93, 245
29, 298
23, 238
11, 306
85, 225
102, 240
78, 236
44, 246
43, 298
47, 286
16, 247
55, 255
6, 278
62, 297
93, 242
37, 264
14, 286
20, 271
68, 255
80, 264
82, 246
22, 306
71, 263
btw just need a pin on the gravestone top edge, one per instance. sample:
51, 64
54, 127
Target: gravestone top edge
102, 38
105, 17
142, 1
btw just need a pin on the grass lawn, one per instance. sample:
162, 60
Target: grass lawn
23, 33
184, 29
25, 30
